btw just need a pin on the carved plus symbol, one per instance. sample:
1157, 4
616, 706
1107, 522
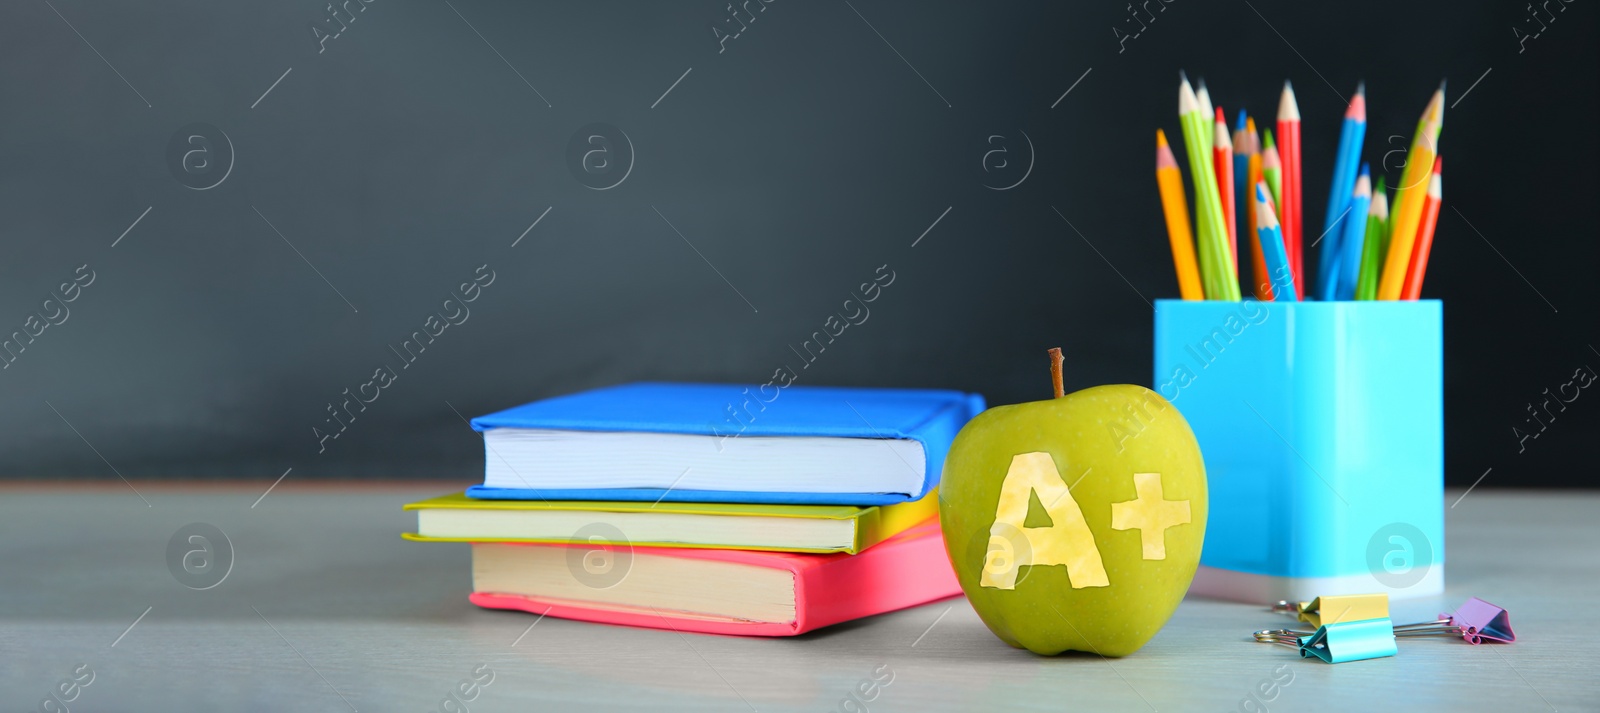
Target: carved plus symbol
1149, 514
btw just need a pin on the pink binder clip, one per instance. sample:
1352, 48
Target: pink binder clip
1483, 620
1474, 621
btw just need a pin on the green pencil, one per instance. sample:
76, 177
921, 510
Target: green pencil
1203, 97
1386, 231
1216, 262
1374, 244
1272, 170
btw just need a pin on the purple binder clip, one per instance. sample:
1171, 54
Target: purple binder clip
1483, 620
1474, 621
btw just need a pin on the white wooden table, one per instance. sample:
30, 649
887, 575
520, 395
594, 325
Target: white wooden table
327, 609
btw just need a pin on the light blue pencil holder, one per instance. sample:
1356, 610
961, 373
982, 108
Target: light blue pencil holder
1322, 427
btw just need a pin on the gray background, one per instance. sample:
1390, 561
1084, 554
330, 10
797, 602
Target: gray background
795, 162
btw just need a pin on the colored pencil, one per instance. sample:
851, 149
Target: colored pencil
1259, 286
1385, 226
1346, 269
1411, 175
1175, 206
1351, 134
1271, 236
1374, 244
1289, 155
1272, 171
1242, 151
1215, 267
1222, 157
1408, 202
1203, 97
1332, 243
1272, 174
1424, 242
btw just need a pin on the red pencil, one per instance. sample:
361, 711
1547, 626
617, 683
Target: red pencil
1412, 289
1289, 153
1222, 160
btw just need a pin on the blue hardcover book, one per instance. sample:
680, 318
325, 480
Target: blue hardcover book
724, 443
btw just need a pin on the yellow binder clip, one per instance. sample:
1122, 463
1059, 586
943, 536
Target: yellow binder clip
1334, 609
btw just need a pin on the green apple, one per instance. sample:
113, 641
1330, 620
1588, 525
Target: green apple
1075, 524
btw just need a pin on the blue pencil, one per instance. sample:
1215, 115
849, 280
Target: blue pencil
1272, 250
1242, 150
1339, 193
1355, 230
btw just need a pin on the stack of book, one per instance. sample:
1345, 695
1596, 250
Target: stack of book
722, 509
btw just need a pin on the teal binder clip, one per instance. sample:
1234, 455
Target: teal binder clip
1338, 643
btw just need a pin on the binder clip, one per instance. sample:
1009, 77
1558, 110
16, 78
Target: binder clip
1338, 643
1332, 610
1474, 621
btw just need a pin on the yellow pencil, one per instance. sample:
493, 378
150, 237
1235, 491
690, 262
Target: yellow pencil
1413, 193
1175, 206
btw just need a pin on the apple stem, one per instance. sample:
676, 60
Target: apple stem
1055, 370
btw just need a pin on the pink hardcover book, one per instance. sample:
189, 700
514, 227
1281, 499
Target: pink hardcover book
736, 592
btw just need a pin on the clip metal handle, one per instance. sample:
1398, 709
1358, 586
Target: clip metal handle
1280, 636
1438, 627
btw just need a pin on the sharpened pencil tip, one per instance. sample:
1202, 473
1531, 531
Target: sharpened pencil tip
1361, 87
1183, 76
1357, 109
1364, 169
1288, 106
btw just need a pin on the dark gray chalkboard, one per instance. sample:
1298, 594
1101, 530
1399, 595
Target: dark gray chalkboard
686, 191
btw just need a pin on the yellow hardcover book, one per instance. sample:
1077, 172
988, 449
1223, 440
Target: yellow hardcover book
737, 526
